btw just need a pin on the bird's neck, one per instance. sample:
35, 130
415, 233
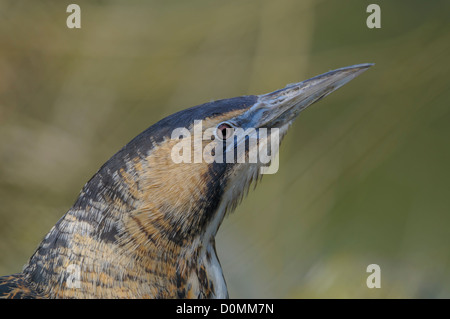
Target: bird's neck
131, 259
128, 236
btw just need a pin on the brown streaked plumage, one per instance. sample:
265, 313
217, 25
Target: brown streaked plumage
144, 226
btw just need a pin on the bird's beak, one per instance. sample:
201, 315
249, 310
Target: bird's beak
280, 107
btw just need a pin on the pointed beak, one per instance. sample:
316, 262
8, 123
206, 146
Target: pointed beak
280, 107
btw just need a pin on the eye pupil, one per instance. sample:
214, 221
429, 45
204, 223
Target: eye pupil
224, 131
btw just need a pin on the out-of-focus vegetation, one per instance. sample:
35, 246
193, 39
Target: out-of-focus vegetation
364, 174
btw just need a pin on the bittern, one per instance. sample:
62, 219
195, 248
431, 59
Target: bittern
144, 225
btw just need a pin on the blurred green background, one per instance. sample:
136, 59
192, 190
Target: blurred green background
364, 174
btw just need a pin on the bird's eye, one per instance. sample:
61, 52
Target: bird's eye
224, 131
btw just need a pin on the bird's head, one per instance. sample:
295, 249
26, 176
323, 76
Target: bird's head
183, 173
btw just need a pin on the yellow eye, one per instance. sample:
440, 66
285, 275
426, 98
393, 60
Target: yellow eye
224, 131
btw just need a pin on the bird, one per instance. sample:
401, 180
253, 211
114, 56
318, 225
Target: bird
144, 225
